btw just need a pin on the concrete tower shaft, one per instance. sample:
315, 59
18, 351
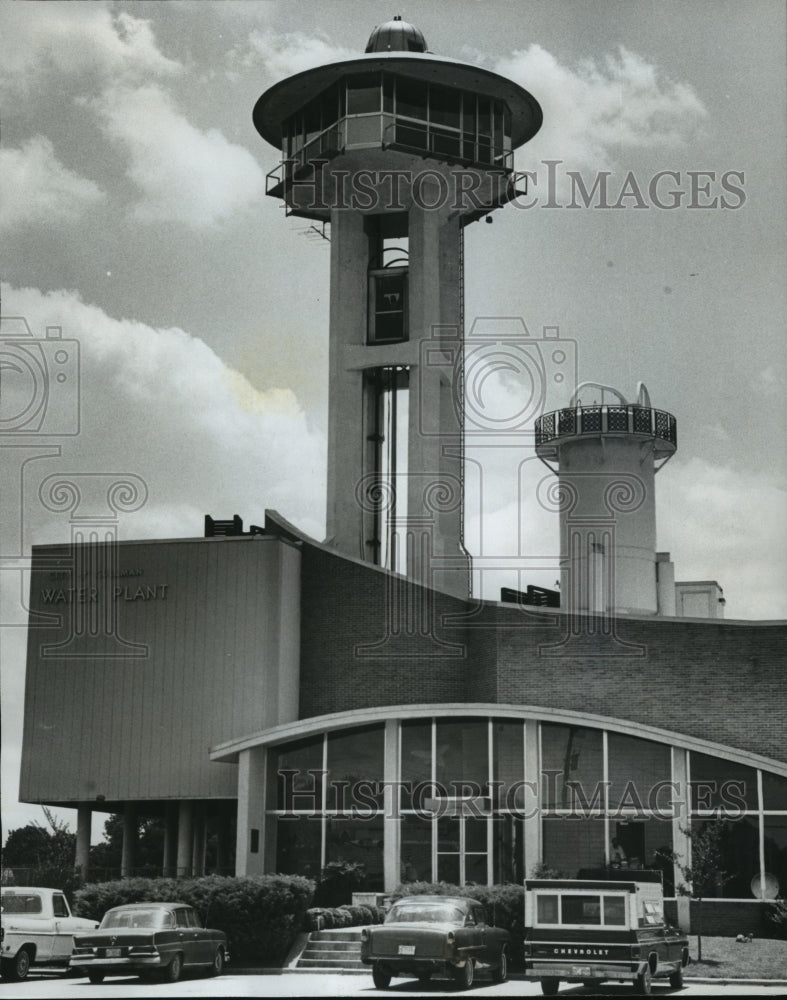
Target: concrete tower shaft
606, 457
398, 150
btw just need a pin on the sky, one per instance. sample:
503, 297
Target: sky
194, 313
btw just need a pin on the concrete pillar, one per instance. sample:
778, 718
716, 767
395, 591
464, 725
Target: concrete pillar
200, 839
532, 803
185, 838
681, 843
84, 825
391, 823
250, 849
130, 828
169, 859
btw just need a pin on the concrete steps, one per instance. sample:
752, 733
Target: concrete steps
339, 949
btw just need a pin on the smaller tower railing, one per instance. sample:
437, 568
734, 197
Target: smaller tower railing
577, 421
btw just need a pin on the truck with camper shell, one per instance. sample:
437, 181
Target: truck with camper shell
37, 928
608, 926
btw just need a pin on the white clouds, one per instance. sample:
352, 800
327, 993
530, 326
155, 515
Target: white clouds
285, 54
184, 174
598, 110
77, 38
38, 188
161, 404
722, 525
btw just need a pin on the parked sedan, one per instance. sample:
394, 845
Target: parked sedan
153, 940
423, 935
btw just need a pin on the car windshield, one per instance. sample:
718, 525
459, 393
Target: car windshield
144, 918
432, 913
21, 902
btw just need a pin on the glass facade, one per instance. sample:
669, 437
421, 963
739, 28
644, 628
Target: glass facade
480, 799
377, 109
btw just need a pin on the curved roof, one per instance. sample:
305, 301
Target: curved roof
286, 97
396, 36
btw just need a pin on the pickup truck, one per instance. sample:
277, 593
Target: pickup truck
594, 930
36, 928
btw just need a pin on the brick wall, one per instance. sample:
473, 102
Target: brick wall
366, 644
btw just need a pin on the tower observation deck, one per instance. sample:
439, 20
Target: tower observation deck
398, 149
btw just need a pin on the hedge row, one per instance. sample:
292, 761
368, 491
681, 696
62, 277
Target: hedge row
504, 905
261, 915
324, 918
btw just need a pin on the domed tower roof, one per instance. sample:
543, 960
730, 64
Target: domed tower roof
396, 36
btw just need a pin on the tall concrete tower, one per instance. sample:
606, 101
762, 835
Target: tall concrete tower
398, 149
606, 456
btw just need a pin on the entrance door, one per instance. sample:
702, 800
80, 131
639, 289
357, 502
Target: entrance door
463, 850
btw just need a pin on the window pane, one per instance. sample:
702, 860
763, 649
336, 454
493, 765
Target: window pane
508, 839
445, 143
330, 106
776, 851
413, 136
297, 768
635, 767
360, 842
546, 909
572, 766
448, 868
646, 843
463, 756
774, 791
366, 131
448, 833
476, 869
571, 844
475, 834
416, 849
738, 861
509, 764
716, 782
614, 910
411, 99
444, 106
355, 758
581, 910
416, 758
363, 94
298, 846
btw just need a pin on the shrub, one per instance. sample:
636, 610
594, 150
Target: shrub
325, 918
777, 918
260, 915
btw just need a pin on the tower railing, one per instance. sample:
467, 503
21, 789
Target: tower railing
630, 419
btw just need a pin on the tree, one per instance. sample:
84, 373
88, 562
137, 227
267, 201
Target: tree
706, 872
35, 846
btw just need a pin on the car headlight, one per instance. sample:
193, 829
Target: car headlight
365, 934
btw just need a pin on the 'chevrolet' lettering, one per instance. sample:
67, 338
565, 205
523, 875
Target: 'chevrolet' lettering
598, 952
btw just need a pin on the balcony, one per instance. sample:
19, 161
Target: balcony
639, 421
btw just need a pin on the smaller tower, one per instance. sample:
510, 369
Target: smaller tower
606, 456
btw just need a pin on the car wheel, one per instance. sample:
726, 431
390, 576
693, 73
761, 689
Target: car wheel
500, 971
95, 977
217, 965
643, 983
174, 969
464, 974
381, 978
676, 979
18, 967
549, 987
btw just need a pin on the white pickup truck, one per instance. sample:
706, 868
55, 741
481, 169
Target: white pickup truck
36, 928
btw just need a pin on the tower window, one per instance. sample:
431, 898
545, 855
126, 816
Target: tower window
388, 260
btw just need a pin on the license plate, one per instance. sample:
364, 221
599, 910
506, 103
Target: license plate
580, 970
406, 949
113, 952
